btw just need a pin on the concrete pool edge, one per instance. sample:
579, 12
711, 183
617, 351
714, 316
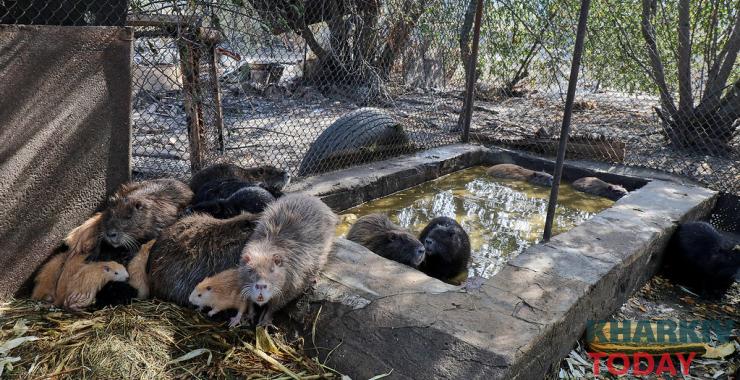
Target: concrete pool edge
378, 315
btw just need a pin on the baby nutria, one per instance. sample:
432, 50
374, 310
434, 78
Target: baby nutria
511, 171
45, 282
220, 292
700, 257
288, 248
86, 280
595, 186
251, 199
136, 268
138, 211
377, 233
447, 248
195, 247
268, 177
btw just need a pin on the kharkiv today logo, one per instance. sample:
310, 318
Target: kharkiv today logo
624, 345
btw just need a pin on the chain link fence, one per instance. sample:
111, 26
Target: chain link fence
257, 82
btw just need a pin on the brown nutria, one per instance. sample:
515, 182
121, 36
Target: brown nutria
86, 280
288, 248
511, 171
595, 186
136, 268
252, 199
45, 282
377, 233
220, 292
447, 247
268, 177
195, 247
138, 211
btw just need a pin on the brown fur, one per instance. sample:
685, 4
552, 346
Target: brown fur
193, 248
139, 211
595, 186
86, 280
138, 277
45, 283
220, 292
511, 171
288, 248
377, 233
83, 238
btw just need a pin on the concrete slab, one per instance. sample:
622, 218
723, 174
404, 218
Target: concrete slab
65, 103
377, 315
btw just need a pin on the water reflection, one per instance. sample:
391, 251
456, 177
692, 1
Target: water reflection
502, 217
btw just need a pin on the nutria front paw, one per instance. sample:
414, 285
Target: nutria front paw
235, 321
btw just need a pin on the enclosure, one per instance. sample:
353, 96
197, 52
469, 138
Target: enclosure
359, 99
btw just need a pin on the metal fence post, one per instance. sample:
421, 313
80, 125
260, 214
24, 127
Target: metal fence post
565, 129
470, 80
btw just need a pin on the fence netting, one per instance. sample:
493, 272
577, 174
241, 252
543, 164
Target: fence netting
315, 85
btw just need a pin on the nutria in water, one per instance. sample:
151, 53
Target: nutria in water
377, 233
511, 171
595, 186
288, 248
447, 248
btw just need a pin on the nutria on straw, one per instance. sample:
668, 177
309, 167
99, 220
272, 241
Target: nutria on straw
288, 248
252, 199
377, 233
268, 177
220, 292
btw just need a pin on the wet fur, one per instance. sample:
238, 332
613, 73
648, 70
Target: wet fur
447, 248
268, 177
195, 247
511, 171
220, 292
251, 199
288, 248
700, 257
377, 233
595, 186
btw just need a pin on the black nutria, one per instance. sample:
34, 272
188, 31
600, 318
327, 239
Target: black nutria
139, 211
511, 171
137, 287
447, 248
700, 257
595, 186
195, 247
268, 177
288, 248
251, 199
220, 292
377, 233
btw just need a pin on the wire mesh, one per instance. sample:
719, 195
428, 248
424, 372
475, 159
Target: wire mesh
256, 82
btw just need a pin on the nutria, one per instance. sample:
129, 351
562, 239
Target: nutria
595, 186
377, 233
220, 292
251, 199
511, 171
45, 282
447, 248
136, 268
268, 177
288, 248
699, 256
85, 282
195, 247
139, 211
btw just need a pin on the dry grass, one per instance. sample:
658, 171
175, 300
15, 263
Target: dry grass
146, 340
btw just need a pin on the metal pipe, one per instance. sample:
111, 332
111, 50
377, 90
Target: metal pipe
565, 129
470, 85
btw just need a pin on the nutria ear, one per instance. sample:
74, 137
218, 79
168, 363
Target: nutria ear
277, 259
392, 236
246, 259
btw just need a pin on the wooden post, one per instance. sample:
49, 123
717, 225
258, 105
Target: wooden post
218, 116
189, 62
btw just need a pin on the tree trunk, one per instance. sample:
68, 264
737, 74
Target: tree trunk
465, 30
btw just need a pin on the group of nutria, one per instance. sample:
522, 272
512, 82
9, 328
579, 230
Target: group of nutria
229, 240
589, 185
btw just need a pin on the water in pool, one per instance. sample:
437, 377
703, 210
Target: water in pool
502, 217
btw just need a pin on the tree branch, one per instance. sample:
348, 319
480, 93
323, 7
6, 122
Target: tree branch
658, 72
725, 62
